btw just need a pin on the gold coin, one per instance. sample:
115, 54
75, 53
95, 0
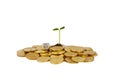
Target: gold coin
88, 49
53, 53
78, 59
45, 54
89, 59
74, 49
56, 48
59, 52
70, 54
21, 53
77, 49
82, 54
90, 53
67, 48
41, 51
43, 59
61, 55
32, 56
56, 59
69, 60
29, 49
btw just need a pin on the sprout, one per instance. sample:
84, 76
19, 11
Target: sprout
59, 30
55, 29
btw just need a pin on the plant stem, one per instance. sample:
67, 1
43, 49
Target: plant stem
59, 36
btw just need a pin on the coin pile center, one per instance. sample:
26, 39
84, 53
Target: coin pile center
57, 54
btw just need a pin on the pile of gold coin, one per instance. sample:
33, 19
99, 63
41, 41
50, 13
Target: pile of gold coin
57, 54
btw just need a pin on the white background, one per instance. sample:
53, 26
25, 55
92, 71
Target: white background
93, 23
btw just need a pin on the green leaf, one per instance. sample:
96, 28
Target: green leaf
55, 29
62, 27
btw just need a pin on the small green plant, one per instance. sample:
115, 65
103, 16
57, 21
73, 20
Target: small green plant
59, 32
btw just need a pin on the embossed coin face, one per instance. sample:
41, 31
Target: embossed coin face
56, 59
43, 59
32, 56
77, 49
67, 48
69, 60
74, 49
70, 54
29, 49
89, 59
78, 59
21, 53
56, 48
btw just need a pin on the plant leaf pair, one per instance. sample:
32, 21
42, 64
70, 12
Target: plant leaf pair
59, 29
55, 29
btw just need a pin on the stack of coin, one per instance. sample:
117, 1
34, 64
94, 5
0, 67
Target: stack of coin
30, 53
79, 54
57, 54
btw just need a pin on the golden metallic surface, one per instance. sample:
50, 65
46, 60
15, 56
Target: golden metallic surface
58, 54
29, 49
56, 59
70, 54
43, 59
69, 60
20, 53
78, 59
32, 56
89, 59
56, 48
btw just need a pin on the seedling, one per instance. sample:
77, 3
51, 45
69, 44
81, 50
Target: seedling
59, 32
